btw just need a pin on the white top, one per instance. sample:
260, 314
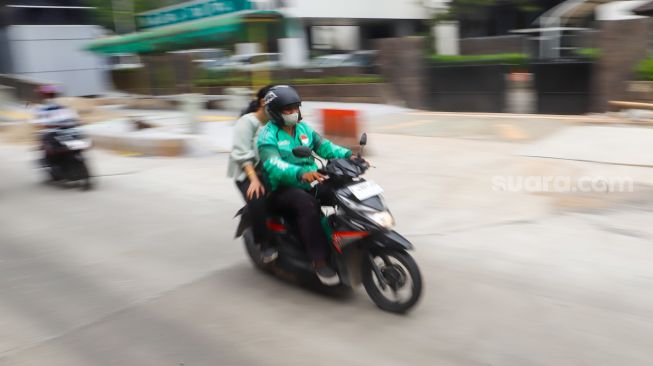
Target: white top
54, 115
244, 150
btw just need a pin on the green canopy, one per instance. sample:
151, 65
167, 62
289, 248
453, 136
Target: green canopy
195, 34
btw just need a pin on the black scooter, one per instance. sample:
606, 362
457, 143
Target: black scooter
364, 247
62, 159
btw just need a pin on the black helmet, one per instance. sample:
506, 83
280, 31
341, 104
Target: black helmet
255, 104
278, 98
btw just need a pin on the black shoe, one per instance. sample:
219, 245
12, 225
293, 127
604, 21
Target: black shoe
269, 255
327, 275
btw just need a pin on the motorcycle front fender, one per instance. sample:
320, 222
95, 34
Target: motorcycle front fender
391, 239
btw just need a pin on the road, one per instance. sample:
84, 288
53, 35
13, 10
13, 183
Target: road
144, 270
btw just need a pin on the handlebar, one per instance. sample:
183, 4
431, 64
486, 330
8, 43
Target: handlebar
331, 172
326, 177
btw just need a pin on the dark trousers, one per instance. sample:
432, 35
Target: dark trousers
257, 213
303, 210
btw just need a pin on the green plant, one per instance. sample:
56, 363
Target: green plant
499, 58
237, 80
479, 10
644, 69
359, 79
591, 53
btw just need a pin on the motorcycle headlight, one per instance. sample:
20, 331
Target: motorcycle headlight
383, 219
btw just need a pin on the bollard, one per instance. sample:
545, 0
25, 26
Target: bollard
5, 94
237, 98
191, 105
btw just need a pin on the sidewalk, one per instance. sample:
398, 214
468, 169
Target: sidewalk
14, 112
215, 126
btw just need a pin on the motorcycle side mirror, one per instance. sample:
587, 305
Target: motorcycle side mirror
363, 141
302, 152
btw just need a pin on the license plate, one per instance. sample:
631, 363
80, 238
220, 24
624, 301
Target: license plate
77, 144
365, 190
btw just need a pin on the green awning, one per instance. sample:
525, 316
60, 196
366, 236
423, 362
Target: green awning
196, 34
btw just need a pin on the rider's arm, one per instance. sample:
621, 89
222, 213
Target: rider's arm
328, 149
325, 148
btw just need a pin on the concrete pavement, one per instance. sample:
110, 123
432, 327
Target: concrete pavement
603, 144
144, 270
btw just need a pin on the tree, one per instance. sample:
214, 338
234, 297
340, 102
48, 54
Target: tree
491, 17
475, 8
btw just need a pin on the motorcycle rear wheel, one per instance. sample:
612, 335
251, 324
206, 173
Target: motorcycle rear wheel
253, 250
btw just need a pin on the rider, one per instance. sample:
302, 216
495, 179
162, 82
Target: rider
290, 176
52, 116
242, 166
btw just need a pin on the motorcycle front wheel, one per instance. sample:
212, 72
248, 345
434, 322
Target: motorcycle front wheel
392, 280
84, 176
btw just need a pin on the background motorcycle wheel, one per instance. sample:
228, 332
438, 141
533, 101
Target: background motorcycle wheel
83, 176
401, 276
87, 182
55, 174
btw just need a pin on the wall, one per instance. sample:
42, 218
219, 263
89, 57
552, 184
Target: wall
339, 37
58, 12
347, 93
5, 59
22, 88
640, 91
619, 10
491, 45
407, 82
364, 9
55, 54
623, 43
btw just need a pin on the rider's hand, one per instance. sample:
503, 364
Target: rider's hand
312, 177
359, 160
255, 190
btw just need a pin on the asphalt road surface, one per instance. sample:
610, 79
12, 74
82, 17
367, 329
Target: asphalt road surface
144, 270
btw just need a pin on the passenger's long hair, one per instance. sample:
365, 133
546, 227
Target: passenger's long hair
255, 104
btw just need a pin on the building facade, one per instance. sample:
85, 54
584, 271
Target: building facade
44, 40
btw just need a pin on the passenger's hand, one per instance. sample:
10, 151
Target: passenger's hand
312, 177
255, 189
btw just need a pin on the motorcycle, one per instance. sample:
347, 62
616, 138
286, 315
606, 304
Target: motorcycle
63, 159
364, 248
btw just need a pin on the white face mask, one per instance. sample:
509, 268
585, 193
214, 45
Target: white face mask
291, 119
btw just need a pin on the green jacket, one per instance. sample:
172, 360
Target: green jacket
280, 165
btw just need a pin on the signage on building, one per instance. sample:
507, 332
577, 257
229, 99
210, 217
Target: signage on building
199, 9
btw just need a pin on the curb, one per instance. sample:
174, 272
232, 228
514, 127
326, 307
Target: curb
138, 145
